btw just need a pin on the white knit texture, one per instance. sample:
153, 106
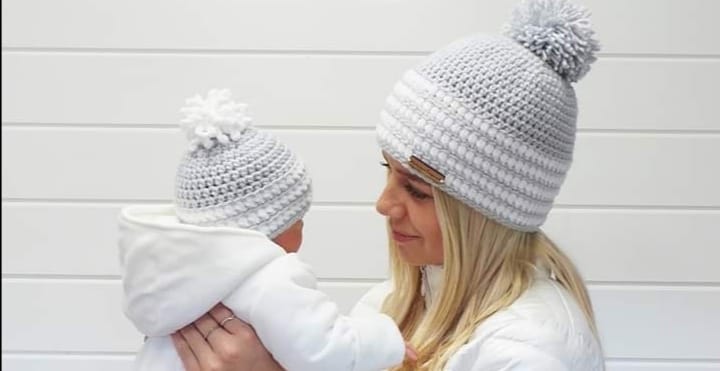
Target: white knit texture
494, 118
213, 119
251, 180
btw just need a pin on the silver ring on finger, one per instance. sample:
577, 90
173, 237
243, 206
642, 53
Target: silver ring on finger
226, 320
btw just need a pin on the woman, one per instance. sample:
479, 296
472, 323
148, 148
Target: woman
477, 140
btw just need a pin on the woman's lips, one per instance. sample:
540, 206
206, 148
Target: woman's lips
401, 237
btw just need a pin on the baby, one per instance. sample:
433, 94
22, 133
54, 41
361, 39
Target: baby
231, 237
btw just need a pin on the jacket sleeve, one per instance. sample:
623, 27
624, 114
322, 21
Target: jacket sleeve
519, 346
509, 355
372, 301
303, 328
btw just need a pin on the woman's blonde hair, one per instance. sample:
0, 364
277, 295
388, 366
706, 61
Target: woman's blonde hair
487, 266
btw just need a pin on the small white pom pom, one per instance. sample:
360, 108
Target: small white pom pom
213, 119
558, 32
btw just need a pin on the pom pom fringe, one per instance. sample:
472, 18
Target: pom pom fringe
558, 32
213, 119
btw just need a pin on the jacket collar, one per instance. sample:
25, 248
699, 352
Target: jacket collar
432, 278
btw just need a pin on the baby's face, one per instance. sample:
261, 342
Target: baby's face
291, 239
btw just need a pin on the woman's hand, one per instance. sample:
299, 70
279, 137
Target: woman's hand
220, 342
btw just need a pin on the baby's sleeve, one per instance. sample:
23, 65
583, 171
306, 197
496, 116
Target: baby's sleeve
372, 301
304, 329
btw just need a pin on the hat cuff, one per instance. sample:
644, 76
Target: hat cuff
271, 215
487, 169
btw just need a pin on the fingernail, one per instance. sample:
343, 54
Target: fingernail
412, 354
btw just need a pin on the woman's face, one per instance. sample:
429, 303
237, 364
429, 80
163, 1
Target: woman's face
291, 239
408, 204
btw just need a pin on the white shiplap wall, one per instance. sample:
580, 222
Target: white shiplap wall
91, 90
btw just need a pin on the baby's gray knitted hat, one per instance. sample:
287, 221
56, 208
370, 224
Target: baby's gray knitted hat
490, 120
235, 175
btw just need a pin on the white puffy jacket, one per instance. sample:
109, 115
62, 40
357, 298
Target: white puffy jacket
174, 273
543, 330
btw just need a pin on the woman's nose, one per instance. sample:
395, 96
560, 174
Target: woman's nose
388, 204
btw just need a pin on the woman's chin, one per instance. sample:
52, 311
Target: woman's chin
410, 255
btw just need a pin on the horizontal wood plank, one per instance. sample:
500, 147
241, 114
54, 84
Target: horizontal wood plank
317, 90
630, 322
349, 242
139, 164
642, 26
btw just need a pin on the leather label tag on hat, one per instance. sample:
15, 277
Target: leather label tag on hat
426, 169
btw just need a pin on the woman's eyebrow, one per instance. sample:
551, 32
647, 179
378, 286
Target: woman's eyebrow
412, 177
415, 178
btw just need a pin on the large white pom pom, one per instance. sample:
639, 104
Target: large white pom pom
214, 119
558, 32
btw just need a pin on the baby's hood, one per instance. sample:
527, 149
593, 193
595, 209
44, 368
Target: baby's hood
173, 272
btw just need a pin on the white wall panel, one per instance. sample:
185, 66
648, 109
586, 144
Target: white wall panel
65, 316
643, 170
348, 242
658, 322
341, 90
662, 366
52, 362
650, 94
640, 245
631, 326
642, 26
150, 89
94, 163
90, 98
64, 239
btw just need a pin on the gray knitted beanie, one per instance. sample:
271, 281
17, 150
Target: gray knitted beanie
233, 174
490, 120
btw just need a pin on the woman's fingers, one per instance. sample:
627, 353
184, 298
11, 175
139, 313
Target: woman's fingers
200, 348
410, 353
241, 346
209, 328
189, 361
224, 316
238, 342
232, 346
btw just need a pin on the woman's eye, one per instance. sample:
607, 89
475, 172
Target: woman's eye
384, 164
415, 193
